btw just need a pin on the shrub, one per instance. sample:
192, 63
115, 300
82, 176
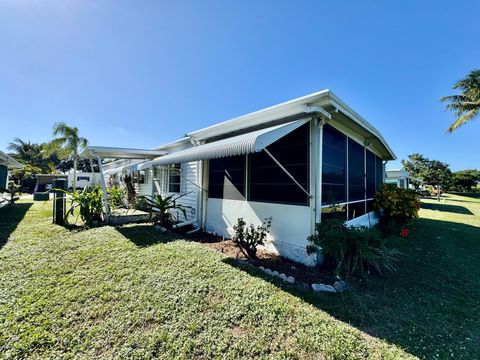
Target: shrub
163, 209
248, 238
116, 197
89, 202
352, 250
396, 203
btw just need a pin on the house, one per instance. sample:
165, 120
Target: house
299, 162
7, 163
399, 177
84, 179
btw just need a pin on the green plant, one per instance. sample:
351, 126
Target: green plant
352, 250
116, 197
248, 238
88, 202
12, 191
163, 208
396, 203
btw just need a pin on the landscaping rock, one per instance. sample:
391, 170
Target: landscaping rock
275, 273
290, 279
261, 268
323, 288
283, 276
268, 271
341, 286
160, 228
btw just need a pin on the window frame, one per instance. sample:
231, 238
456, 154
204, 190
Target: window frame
170, 174
366, 200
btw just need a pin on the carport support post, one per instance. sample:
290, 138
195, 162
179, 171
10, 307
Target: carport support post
104, 189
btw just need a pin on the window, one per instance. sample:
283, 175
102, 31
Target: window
83, 178
379, 179
348, 191
227, 178
174, 178
333, 166
269, 183
356, 171
371, 165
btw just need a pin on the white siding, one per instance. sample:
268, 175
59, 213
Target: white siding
147, 187
290, 224
188, 191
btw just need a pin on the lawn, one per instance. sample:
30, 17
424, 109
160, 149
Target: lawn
132, 292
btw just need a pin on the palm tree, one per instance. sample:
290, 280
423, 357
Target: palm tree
68, 143
467, 104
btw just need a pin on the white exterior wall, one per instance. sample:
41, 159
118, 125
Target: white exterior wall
145, 189
94, 179
188, 189
291, 224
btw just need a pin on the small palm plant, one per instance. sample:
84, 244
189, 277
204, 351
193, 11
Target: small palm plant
467, 104
163, 209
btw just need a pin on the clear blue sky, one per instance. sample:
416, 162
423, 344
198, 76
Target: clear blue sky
141, 73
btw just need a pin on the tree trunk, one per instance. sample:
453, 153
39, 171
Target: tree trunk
438, 192
74, 174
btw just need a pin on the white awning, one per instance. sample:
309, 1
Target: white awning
120, 153
254, 141
131, 167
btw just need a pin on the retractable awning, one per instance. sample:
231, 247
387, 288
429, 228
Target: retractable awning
254, 141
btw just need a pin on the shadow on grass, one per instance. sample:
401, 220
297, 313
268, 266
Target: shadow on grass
418, 308
456, 209
10, 217
144, 235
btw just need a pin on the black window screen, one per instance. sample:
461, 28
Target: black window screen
269, 183
227, 178
356, 209
174, 178
378, 172
333, 166
356, 171
371, 165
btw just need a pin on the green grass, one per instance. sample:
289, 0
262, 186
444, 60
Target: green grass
129, 292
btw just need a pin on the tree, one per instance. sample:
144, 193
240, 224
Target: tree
466, 106
69, 144
465, 180
35, 158
431, 172
415, 164
437, 174
83, 164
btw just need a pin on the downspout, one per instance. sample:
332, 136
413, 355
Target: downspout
105, 193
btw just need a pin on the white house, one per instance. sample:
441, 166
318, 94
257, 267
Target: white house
398, 177
84, 179
299, 162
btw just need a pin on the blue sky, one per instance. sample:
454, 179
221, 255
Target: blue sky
141, 73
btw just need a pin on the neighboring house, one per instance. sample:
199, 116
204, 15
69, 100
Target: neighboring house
84, 179
299, 162
7, 163
399, 177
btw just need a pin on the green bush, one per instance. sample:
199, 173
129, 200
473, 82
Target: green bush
396, 203
163, 208
116, 197
248, 238
89, 202
352, 250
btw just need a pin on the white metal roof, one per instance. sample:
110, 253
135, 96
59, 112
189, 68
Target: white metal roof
131, 167
324, 99
9, 161
237, 145
120, 153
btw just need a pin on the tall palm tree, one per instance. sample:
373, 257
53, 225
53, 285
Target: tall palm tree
466, 106
68, 143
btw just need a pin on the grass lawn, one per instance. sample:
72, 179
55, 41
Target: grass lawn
129, 292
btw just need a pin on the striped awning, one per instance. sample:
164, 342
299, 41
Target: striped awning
251, 142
